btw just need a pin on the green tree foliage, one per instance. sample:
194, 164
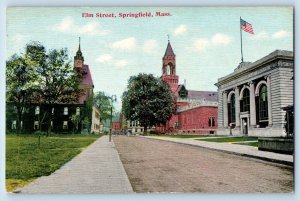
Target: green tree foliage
20, 82
75, 119
41, 77
103, 102
86, 114
148, 100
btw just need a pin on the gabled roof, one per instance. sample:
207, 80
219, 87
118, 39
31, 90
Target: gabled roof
87, 77
169, 50
201, 95
207, 95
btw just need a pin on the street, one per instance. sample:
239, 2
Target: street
159, 166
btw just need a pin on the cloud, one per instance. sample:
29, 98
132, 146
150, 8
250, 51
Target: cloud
259, 36
201, 44
280, 34
150, 46
18, 38
220, 39
93, 29
104, 58
68, 25
121, 63
125, 44
180, 30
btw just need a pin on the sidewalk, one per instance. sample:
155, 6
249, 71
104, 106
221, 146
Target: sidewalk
242, 150
98, 169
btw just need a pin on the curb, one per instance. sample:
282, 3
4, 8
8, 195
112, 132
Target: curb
232, 152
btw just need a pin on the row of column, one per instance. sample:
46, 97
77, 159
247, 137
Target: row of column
132, 124
252, 105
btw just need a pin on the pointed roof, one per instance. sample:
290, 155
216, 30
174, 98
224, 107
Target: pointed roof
169, 50
79, 53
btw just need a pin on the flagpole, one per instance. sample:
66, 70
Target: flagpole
241, 41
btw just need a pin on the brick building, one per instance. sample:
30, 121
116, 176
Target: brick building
196, 111
61, 113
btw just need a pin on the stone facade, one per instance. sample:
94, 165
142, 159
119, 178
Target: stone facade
250, 100
96, 124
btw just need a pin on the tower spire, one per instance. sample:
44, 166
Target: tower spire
79, 55
79, 43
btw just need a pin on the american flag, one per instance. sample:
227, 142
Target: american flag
246, 26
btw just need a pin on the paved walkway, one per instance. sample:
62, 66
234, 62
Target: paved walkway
243, 150
98, 169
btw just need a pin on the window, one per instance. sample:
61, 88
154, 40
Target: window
65, 125
231, 109
168, 69
245, 102
14, 124
66, 110
78, 111
52, 111
36, 125
263, 103
37, 110
211, 122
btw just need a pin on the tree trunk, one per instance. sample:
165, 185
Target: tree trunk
145, 130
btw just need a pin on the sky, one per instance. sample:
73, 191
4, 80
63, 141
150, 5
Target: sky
206, 40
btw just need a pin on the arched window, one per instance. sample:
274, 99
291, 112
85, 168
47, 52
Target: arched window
245, 102
231, 109
169, 69
263, 103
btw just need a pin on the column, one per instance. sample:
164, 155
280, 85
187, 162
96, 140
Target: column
269, 100
252, 106
225, 109
237, 107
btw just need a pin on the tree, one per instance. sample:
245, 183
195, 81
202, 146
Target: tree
75, 119
57, 81
148, 100
103, 102
20, 81
86, 114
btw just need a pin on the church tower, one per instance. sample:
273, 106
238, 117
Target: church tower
169, 68
78, 58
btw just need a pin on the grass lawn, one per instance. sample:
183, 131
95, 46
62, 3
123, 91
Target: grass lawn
254, 144
185, 136
230, 139
25, 160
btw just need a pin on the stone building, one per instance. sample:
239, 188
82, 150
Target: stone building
250, 100
196, 111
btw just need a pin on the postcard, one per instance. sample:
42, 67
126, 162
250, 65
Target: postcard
149, 100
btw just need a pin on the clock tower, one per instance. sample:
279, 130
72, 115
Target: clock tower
78, 59
169, 68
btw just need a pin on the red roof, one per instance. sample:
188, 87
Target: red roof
87, 77
207, 95
86, 80
169, 50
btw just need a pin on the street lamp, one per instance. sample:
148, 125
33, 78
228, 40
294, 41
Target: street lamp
113, 99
